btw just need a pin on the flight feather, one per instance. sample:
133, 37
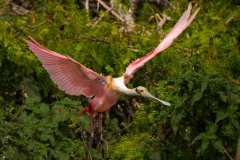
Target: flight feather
179, 27
70, 75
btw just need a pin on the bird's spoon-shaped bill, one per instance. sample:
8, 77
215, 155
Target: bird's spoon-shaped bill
149, 95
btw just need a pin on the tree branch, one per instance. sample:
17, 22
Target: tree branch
29, 26
89, 38
111, 10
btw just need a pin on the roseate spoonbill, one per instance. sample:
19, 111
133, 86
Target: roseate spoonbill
76, 79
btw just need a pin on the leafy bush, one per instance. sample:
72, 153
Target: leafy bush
37, 121
42, 131
206, 112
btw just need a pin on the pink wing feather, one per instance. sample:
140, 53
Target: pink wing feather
70, 76
179, 27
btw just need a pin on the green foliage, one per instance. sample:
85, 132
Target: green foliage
41, 131
199, 75
207, 105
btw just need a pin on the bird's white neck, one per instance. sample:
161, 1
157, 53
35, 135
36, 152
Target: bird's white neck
119, 86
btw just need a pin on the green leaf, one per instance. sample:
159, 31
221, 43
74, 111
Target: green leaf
30, 88
44, 152
96, 155
232, 109
177, 116
84, 122
221, 116
204, 144
7, 18
60, 116
185, 133
155, 156
175, 129
212, 128
30, 101
218, 145
31, 144
190, 85
22, 117
212, 136
57, 106
29, 131
204, 85
197, 96
229, 129
163, 116
109, 69
16, 85
43, 110
178, 102
63, 156
197, 138
222, 96
183, 61
47, 136
235, 123
53, 152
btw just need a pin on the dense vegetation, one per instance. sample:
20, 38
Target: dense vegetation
199, 74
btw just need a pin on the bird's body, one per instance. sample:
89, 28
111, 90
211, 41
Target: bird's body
75, 79
106, 100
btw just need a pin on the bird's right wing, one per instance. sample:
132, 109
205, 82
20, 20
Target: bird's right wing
179, 27
70, 76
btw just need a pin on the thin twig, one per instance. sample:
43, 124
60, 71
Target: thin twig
154, 15
17, 114
19, 10
105, 142
227, 154
36, 25
89, 38
29, 26
20, 31
111, 10
229, 20
99, 19
7, 3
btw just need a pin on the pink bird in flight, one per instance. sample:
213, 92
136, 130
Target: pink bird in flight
76, 79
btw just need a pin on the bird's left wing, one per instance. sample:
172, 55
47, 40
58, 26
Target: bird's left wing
70, 75
179, 27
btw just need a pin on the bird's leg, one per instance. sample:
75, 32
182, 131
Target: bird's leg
91, 130
99, 132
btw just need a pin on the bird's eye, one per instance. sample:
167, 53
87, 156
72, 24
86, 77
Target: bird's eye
141, 91
138, 91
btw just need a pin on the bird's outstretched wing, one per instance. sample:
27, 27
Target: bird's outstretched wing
70, 76
179, 27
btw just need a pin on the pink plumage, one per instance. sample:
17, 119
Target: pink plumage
70, 76
76, 79
179, 27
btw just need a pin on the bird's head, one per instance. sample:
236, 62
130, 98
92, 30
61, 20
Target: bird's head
142, 91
